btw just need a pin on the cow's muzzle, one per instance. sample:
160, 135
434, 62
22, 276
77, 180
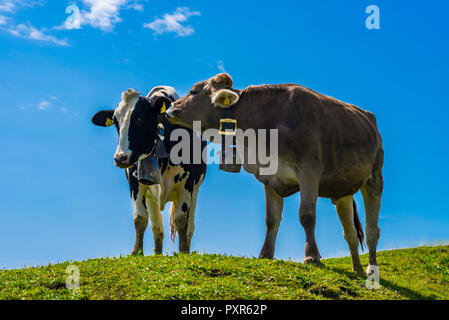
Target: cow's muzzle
121, 160
171, 115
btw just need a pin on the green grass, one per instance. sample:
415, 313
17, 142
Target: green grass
419, 273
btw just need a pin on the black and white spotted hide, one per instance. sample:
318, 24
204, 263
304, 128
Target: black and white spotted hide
140, 121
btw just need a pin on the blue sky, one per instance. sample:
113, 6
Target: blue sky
60, 195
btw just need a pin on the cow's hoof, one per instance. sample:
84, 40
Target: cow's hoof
359, 270
313, 260
137, 252
266, 256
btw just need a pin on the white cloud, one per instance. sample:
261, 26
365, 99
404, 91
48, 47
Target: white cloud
136, 6
22, 30
220, 66
105, 14
7, 6
102, 14
171, 23
43, 105
47, 105
30, 32
14, 5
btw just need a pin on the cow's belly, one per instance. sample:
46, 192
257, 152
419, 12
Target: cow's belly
336, 189
345, 173
286, 181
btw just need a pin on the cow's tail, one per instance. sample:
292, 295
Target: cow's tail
358, 225
172, 221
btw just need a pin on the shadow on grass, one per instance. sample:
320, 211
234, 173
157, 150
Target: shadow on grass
403, 291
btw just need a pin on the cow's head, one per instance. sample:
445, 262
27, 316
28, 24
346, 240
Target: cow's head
205, 102
136, 121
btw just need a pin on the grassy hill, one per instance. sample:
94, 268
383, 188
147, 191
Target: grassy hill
419, 273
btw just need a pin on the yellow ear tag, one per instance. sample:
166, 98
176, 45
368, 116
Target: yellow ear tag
109, 122
227, 101
164, 108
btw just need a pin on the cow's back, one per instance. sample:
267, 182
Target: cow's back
341, 137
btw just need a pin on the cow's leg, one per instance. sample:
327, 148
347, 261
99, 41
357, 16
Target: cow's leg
346, 214
274, 206
372, 231
181, 219
191, 218
309, 184
140, 222
372, 193
156, 225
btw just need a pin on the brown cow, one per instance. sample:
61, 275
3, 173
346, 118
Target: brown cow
327, 148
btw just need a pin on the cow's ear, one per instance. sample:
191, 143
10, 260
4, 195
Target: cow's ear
225, 98
161, 104
103, 118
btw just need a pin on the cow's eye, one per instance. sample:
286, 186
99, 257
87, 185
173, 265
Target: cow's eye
193, 92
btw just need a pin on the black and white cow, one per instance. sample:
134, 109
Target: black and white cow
142, 130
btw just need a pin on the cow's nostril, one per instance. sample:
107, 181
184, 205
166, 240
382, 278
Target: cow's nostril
172, 112
121, 158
